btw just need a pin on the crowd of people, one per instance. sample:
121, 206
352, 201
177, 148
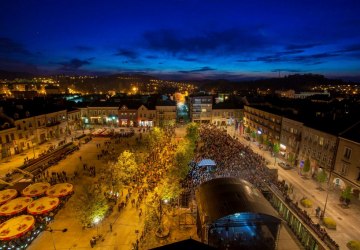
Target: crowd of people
232, 158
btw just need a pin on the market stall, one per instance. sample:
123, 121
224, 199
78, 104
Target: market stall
15, 206
6, 195
60, 190
16, 227
43, 205
36, 189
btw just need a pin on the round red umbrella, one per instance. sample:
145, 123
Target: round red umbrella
60, 190
43, 205
16, 227
15, 206
7, 194
36, 189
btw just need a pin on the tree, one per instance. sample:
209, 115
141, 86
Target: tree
346, 195
155, 138
321, 177
192, 132
183, 156
291, 158
306, 167
266, 142
123, 170
90, 205
253, 134
276, 150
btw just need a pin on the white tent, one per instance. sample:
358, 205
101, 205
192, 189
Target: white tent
206, 162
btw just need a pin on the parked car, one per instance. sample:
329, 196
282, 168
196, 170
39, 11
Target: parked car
285, 166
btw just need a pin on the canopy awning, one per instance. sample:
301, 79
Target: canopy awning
15, 206
35, 189
7, 194
16, 227
60, 190
43, 205
206, 162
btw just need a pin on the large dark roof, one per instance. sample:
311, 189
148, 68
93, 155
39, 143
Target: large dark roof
165, 103
188, 244
353, 133
227, 105
221, 197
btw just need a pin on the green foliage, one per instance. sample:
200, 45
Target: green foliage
321, 177
306, 203
353, 245
291, 158
182, 157
266, 142
253, 134
90, 204
276, 148
192, 132
155, 138
306, 167
122, 170
329, 223
346, 193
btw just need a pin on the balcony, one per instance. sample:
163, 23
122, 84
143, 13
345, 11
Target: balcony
52, 124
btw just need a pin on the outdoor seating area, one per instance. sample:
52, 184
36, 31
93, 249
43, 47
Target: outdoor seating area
24, 217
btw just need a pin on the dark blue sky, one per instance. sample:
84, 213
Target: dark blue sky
182, 38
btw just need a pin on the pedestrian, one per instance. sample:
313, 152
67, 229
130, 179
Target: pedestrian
317, 211
110, 227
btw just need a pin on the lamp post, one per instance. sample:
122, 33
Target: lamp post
49, 229
96, 221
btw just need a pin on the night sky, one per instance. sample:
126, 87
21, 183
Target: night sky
182, 38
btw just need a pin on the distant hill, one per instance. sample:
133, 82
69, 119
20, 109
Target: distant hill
296, 82
13, 75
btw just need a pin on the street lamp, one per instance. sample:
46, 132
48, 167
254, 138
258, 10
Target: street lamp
96, 222
49, 229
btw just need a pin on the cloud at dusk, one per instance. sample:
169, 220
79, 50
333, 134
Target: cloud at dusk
177, 38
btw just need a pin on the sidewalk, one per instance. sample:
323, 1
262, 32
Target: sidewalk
346, 219
12, 162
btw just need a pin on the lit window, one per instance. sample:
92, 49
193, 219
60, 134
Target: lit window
344, 168
347, 153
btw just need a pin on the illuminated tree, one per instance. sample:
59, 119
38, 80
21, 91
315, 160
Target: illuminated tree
306, 167
192, 132
321, 177
253, 134
291, 158
125, 167
276, 150
346, 195
90, 205
155, 138
183, 156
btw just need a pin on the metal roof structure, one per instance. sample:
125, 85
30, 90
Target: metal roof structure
206, 162
221, 197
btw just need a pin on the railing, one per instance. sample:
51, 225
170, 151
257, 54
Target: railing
311, 235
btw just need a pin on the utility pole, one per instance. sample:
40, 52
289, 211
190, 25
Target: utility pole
328, 183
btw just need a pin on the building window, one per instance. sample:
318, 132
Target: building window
321, 141
347, 153
12, 136
344, 168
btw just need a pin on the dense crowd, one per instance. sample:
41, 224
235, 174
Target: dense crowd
232, 158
